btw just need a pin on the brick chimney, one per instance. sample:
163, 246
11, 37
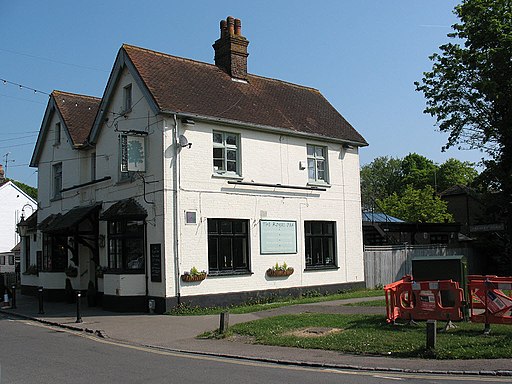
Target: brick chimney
2, 174
231, 49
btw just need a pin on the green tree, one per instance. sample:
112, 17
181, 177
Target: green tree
379, 179
417, 205
455, 172
31, 191
418, 171
469, 90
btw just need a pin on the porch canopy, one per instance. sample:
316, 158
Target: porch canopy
127, 209
67, 224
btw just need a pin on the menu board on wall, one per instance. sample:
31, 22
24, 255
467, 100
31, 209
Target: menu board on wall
278, 237
155, 257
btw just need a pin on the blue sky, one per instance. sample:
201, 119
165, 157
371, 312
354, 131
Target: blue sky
363, 55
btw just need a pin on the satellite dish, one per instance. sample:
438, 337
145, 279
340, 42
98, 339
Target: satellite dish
184, 141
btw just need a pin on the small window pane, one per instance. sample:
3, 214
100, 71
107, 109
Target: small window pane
231, 155
231, 165
231, 139
311, 169
226, 257
226, 226
218, 153
319, 151
316, 228
218, 165
217, 137
311, 150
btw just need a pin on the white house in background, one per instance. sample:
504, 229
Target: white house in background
186, 165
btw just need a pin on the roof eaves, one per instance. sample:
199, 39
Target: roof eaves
122, 60
50, 108
264, 128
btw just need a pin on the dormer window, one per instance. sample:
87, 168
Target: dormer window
127, 98
57, 134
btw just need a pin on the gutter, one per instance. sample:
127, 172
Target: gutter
265, 128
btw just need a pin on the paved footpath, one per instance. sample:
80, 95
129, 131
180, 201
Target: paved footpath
178, 333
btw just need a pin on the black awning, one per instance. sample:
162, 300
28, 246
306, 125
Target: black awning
127, 209
71, 219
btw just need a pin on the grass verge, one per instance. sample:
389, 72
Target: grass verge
266, 303
371, 303
361, 334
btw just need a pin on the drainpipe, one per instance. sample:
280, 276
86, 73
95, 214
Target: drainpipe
175, 210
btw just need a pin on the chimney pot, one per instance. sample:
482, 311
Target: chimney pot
223, 28
238, 27
231, 25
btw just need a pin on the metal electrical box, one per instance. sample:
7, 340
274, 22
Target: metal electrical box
431, 268
440, 268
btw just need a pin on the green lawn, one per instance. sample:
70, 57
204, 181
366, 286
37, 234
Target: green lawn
263, 304
361, 334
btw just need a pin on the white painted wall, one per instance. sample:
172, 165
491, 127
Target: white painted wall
266, 158
12, 201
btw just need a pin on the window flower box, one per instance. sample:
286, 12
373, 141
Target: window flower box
187, 278
193, 275
279, 271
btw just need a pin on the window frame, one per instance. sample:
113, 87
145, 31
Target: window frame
127, 98
242, 265
54, 256
117, 240
27, 251
316, 159
225, 149
57, 134
324, 237
57, 181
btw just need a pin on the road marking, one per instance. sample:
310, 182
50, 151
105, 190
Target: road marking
249, 363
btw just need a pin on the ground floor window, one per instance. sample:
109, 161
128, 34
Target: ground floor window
320, 247
126, 245
228, 245
55, 253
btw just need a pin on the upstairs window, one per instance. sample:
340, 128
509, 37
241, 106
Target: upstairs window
317, 164
93, 166
226, 153
127, 98
57, 134
57, 180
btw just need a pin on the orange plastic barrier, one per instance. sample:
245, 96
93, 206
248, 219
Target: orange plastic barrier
489, 303
426, 300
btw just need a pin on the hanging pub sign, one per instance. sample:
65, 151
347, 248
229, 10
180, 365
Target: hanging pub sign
133, 155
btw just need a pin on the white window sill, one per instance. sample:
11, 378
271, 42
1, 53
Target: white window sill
318, 184
227, 176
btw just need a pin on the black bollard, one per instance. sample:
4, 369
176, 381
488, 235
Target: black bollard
78, 316
431, 334
40, 297
13, 302
224, 322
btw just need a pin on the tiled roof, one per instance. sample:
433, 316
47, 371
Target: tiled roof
78, 112
190, 87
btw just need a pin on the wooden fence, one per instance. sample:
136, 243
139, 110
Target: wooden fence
386, 264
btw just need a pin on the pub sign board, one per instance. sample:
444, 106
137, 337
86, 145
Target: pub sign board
278, 237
